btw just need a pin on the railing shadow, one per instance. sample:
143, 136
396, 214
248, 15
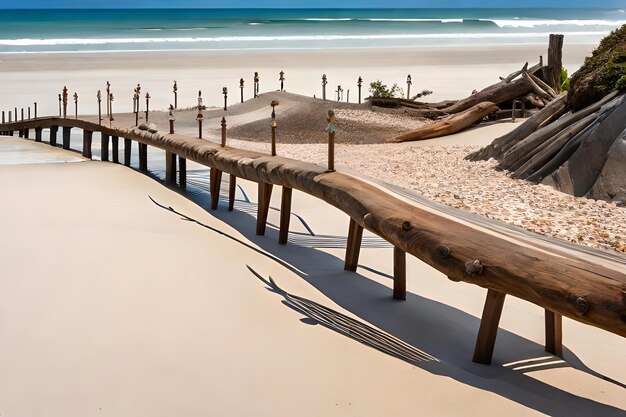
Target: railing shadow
427, 326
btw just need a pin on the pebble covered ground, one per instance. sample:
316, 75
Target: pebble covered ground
442, 174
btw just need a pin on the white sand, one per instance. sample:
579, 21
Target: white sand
110, 305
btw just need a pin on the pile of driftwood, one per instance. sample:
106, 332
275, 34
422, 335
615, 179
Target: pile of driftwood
535, 87
582, 153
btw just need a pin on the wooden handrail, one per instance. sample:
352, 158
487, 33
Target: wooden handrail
576, 287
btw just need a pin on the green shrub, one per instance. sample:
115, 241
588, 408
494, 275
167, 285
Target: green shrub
565, 80
380, 90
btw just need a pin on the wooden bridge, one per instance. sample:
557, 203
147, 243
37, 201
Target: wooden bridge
587, 286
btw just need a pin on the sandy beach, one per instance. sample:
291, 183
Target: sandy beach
450, 72
123, 297
131, 309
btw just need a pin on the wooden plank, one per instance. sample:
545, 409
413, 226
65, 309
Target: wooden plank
115, 141
488, 331
232, 187
66, 137
216, 176
399, 274
170, 168
554, 333
353, 247
265, 195
104, 146
182, 173
87, 138
127, 151
285, 215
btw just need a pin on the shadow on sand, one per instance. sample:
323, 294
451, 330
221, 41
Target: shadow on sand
428, 334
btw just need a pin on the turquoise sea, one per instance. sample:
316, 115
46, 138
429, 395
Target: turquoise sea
36, 31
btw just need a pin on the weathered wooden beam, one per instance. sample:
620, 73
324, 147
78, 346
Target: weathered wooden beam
53, 135
265, 195
353, 247
554, 333
104, 146
87, 138
127, 151
66, 137
232, 188
399, 274
38, 131
115, 143
170, 168
26, 133
486, 340
285, 215
215, 192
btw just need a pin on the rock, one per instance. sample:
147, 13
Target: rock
152, 128
142, 126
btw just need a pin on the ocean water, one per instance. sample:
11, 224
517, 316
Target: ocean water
38, 31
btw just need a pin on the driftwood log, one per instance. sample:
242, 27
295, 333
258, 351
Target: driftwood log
498, 93
449, 125
557, 280
501, 145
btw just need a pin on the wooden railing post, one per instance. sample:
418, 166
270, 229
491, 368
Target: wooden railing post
127, 151
216, 184
182, 173
66, 137
331, 140
285, 215
486, 340
115, 148
87, 138
232, 186
554, 333
143, 156
170, 168
399, 274
353, 247
53, 135
265, 195
104, 146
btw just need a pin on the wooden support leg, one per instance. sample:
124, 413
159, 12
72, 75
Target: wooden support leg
66, 137
554, 333
87, 137
232, 186
38, 131
115, 149
104, 147
355, 235
216, 177
488, 331
182, 173
399, 274
143, 157
53, 135
170, 168
20, 133
127, 148
285, 215
265, 194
